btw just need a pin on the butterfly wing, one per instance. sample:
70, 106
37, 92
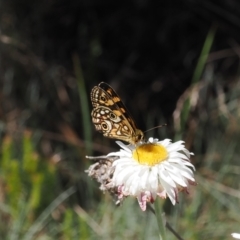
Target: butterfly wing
111, 117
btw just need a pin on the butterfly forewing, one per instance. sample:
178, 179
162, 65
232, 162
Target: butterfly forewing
110, 116
118, 103
100, 97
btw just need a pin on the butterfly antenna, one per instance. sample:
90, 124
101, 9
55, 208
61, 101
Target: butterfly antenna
163, 125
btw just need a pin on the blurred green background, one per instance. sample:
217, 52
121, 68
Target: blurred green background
174, 62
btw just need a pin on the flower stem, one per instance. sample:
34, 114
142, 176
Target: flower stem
160, 220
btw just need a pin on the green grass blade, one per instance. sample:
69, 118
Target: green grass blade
204, 55
42, 219
83, 103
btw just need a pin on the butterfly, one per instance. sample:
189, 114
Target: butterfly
111, 117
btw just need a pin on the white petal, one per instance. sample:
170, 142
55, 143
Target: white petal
165, 142
170, 192
127, 148
150, 140
176, 176
144, 178
236, 235
166, 178
177, 155
175, 146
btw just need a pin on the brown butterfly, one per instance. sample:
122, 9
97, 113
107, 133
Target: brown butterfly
110, 116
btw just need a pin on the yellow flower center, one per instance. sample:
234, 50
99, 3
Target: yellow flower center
150, 154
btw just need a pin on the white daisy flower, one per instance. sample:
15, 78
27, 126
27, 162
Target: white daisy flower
151, 169
236, 235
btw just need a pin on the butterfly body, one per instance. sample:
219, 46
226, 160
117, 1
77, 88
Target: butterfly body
111, 117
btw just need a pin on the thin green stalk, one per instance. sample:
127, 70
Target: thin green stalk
186, 107
204, 55
41, 221
83, 103
160, 220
